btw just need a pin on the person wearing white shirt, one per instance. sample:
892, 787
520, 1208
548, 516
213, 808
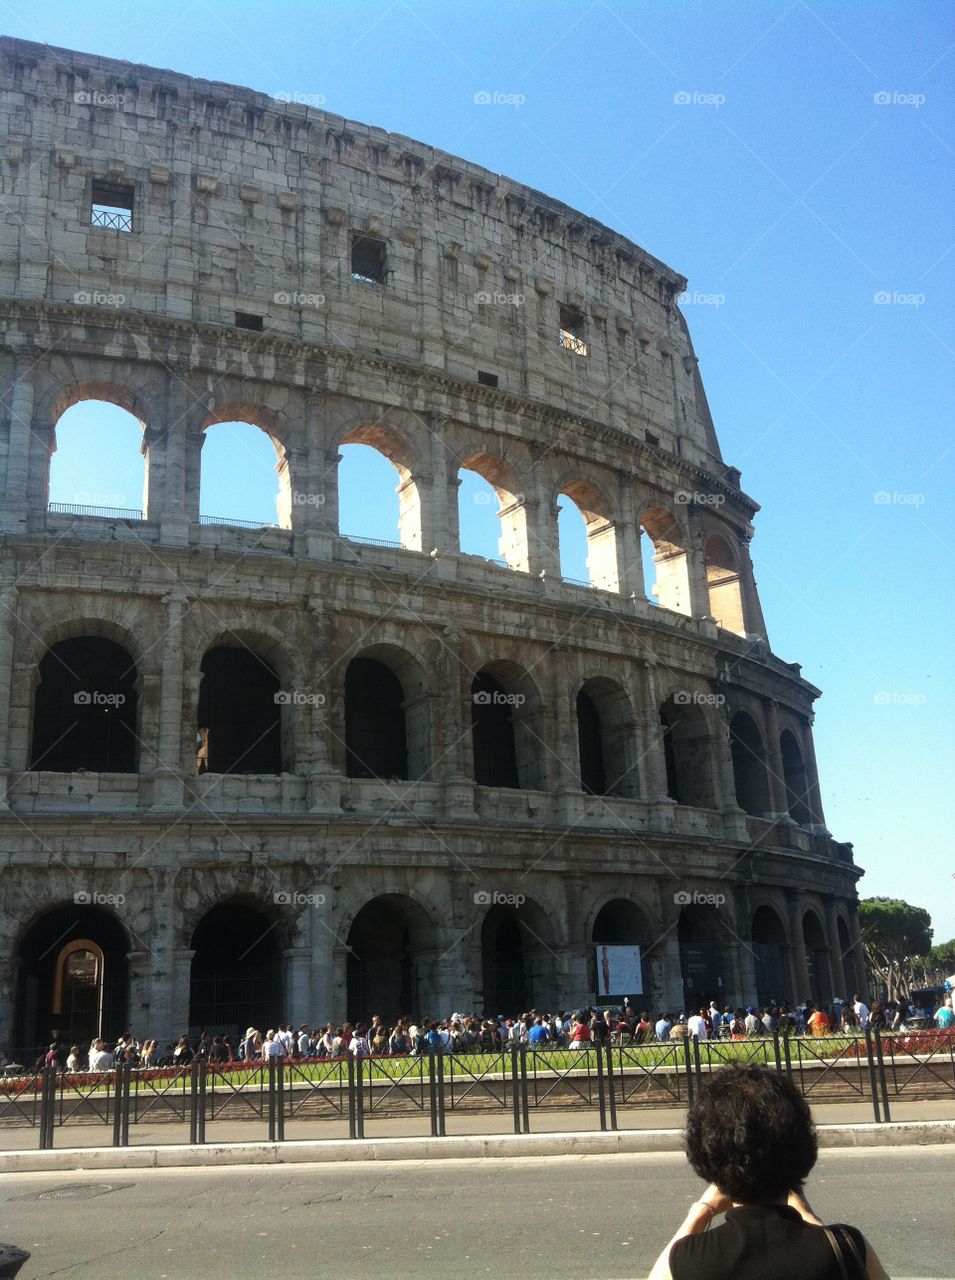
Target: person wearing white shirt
696, 1025
273, 1047
100, 1057
861, 1011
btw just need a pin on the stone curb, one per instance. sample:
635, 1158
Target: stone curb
494, 1146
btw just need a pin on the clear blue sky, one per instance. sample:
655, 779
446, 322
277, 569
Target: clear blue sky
783, 187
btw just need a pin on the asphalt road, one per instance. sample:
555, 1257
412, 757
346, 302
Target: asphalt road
586, 1217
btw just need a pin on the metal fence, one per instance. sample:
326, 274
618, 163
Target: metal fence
520, 1085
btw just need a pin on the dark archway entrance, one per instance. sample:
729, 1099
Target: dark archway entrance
492, 733
384, 969
84, 710
769, 950
240, 718
593, 767
236, 973
749, 765
701, 956
817, 957
376, 744
72, 980
507, 981
620, 923
794, 773
688, 754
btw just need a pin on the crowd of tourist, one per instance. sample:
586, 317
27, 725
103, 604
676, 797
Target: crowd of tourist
467, 1033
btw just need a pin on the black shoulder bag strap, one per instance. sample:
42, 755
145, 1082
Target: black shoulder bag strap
843, 1244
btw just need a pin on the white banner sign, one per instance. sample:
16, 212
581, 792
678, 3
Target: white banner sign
619, 972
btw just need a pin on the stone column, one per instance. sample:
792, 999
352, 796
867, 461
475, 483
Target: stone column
743, 949
321, 973
167, 780
436, 515
814, 797
575, 991
178, 501
839, 963
774, 761
9, 603
652, 763
14, 507
800, 967
323, 780
300, 1003
696, 565
139, 1008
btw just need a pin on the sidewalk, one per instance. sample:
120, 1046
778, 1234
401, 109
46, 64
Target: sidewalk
554, 1133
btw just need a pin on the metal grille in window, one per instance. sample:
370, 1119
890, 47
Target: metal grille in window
572, 331
112, 207
368, 260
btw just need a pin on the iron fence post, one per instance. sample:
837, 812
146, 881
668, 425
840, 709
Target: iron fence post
47, 1107
873, 1083
127, 1092
442, 1132
271, 1073
433, 1091
697, 1069
690, 1084
516, 1089
883, 1083
193, 1102
360, 1095
611, 1100
776, 1053
201, 1108
280, 1099
352, 1108
117, 1083
525, 1105
788, 1058
601, 1087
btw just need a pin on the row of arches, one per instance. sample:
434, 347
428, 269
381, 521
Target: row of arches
374, 493
73, 973
86, 716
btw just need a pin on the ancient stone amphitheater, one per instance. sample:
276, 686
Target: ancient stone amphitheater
252, 774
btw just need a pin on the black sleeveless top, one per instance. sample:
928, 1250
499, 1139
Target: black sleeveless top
760, 1242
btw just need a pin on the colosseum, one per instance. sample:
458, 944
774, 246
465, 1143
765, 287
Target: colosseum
280, 772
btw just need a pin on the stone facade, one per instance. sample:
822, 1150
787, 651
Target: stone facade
508, 334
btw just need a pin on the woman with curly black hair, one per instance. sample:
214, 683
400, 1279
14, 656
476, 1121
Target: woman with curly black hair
750, 1136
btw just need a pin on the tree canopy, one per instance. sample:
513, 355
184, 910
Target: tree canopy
894, 934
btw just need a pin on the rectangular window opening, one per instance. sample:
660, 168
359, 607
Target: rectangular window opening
245, 320
367, 259
572, 330
652, 439
487, 379
111, 206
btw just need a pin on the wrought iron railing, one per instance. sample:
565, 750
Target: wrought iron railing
103, 513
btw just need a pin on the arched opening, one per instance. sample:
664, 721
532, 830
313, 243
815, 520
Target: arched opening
517, 964
769, 950
507, 502
235, 979
817, 957
370, 507
387, 968
507, 751
701, 956
240, 713
688, 753
244, 476
587, 538
99, 463
669, 582
621, 938
479, 526
376, 744
72, 979
749, 765
723, 581
794, 773
84, 708
605, 740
